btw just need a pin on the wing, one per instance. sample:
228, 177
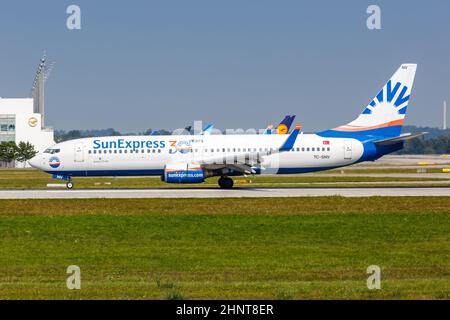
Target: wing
247, 162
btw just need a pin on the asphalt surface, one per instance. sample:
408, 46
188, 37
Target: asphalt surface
218, 193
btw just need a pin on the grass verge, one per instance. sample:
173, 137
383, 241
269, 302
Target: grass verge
226, 248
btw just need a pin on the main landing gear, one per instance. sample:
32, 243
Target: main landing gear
226, 182
69, 185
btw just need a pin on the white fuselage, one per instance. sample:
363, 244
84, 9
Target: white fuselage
149, 155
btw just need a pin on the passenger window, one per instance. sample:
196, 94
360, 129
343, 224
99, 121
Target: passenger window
328, 149
159, 150
115, 151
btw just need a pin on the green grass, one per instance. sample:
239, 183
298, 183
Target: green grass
375, 170
33, 179
226, 248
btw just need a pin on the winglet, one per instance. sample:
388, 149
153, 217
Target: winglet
290, 141
208, 129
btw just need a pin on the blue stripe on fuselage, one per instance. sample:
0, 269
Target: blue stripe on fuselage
108, 173
112, 173
303, 170
371, 151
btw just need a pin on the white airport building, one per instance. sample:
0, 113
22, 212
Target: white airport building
22, 120
19, 122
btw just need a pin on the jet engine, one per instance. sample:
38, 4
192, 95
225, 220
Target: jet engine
183, 173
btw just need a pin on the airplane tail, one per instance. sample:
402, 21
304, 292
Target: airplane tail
385, 114
268, 129
285, 125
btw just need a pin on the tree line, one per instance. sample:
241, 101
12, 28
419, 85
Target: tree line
10, 152
437, 145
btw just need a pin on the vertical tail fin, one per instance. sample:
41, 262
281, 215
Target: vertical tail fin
285, 124
385, 114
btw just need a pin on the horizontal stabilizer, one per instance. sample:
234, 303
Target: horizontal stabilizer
402, 137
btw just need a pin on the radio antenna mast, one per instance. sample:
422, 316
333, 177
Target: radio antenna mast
37, 91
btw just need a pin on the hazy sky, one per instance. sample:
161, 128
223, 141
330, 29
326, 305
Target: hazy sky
240, 64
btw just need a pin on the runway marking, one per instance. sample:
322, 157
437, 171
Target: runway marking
219, 193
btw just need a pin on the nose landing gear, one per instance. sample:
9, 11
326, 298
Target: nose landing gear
226, 182
69, 185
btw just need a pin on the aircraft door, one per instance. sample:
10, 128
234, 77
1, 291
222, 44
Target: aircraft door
79, 152
348, 149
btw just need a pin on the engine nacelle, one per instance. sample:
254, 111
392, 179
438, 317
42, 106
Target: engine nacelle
183, 173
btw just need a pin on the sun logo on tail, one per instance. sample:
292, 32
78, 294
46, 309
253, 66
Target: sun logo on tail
388, 98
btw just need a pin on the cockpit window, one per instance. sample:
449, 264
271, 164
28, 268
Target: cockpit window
52, 151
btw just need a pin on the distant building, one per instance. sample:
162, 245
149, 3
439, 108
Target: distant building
18, 122
23, 119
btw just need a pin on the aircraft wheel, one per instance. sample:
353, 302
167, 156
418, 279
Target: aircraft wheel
226, 183
69, 185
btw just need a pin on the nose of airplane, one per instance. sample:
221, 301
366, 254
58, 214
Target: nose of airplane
35, 161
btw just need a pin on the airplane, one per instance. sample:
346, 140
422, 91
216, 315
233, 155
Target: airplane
285, 125
208, 129
193, 158
282, 128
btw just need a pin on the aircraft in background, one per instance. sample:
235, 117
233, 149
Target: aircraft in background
207, 130
193, 158
282, 128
